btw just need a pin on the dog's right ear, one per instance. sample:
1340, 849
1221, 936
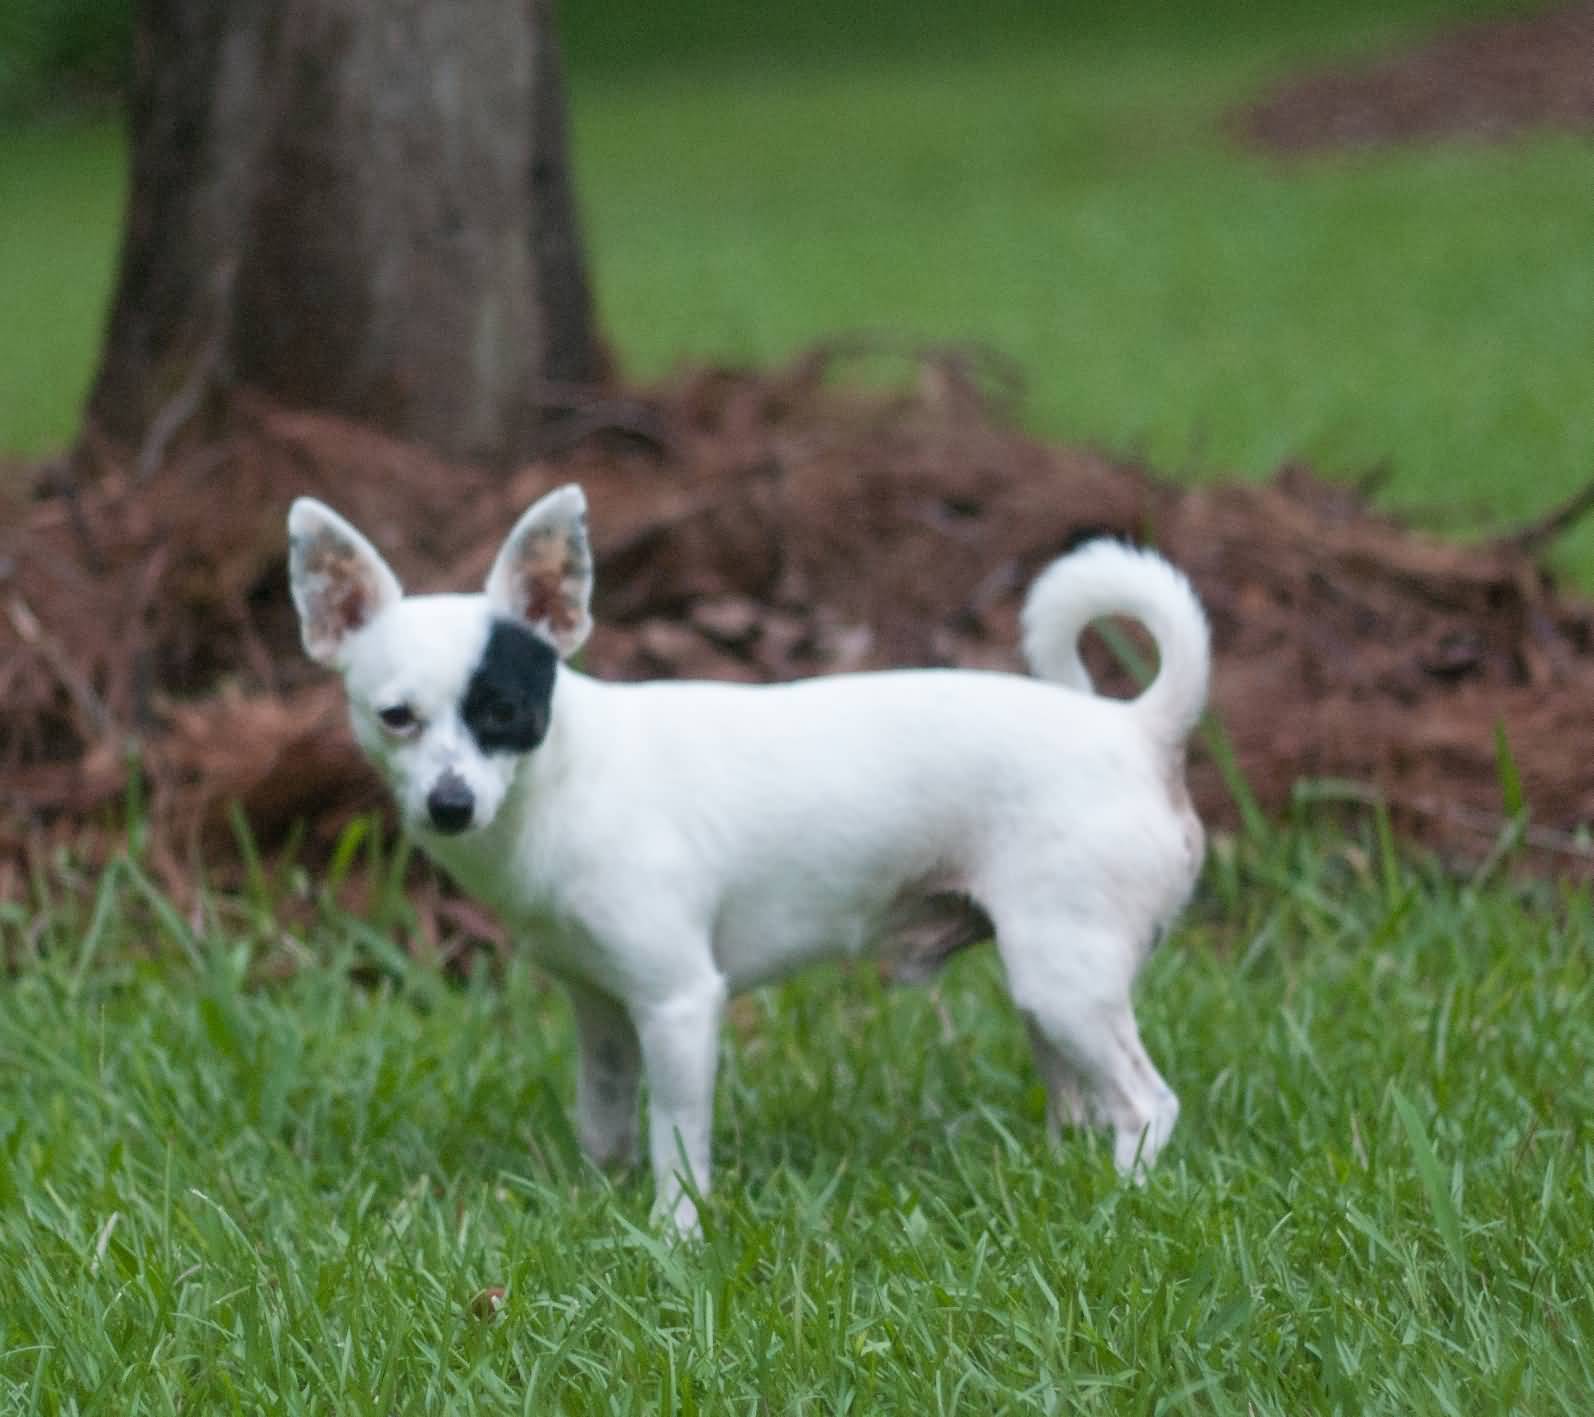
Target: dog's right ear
339, 581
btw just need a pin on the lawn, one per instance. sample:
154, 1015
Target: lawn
223, 1189
1054, 184
252, 1159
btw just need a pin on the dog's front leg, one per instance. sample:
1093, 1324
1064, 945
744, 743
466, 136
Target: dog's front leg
679, 1036
610, 1071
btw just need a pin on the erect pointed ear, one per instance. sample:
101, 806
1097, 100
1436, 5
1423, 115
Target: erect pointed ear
543, 575
339, 582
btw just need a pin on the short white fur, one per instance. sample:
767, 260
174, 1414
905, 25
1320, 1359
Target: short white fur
669, 844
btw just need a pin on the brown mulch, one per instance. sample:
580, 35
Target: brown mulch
1484, 80
759, 528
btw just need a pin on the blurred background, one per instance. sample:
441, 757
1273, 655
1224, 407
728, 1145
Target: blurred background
1290, 257
1065, 182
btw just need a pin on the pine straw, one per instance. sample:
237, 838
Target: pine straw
1483, 81
758, 528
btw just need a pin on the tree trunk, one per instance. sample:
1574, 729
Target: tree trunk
362, 208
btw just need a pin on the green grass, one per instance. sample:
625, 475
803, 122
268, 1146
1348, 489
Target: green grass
1050, 181
1166, 294
61, 193
221, 1193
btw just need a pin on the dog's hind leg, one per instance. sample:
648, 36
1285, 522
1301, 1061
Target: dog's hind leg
608, 1076
1066, 1104
1072, 987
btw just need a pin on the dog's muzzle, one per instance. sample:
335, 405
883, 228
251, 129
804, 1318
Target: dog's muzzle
450, 804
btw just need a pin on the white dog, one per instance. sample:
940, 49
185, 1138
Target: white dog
661, 846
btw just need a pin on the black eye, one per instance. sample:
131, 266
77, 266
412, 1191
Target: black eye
500, 713
398, 717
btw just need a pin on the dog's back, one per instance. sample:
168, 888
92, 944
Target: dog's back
800, 817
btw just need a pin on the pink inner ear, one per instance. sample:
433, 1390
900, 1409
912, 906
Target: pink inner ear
347, 596
546, 602
348, 607
549, 569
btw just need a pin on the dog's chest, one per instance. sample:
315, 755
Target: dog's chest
501, 868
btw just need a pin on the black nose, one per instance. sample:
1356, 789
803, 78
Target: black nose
450, 803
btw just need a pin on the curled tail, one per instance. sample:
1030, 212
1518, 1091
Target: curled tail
1109, 578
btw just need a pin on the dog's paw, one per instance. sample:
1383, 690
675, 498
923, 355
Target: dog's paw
610, 1153
1135, 1150
677, 1218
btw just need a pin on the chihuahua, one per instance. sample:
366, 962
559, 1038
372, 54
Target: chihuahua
661, 846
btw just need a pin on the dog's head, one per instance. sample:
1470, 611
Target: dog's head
448, 693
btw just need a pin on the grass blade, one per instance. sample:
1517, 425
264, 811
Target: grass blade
1432, 1178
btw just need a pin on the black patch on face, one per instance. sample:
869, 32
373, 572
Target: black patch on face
510, 696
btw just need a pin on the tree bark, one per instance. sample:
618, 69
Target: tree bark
361, 208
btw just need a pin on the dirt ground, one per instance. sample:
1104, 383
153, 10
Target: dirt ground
1483, 81
760, 528
763, 527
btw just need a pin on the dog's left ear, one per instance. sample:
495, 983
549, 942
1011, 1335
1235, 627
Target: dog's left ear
543, 575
